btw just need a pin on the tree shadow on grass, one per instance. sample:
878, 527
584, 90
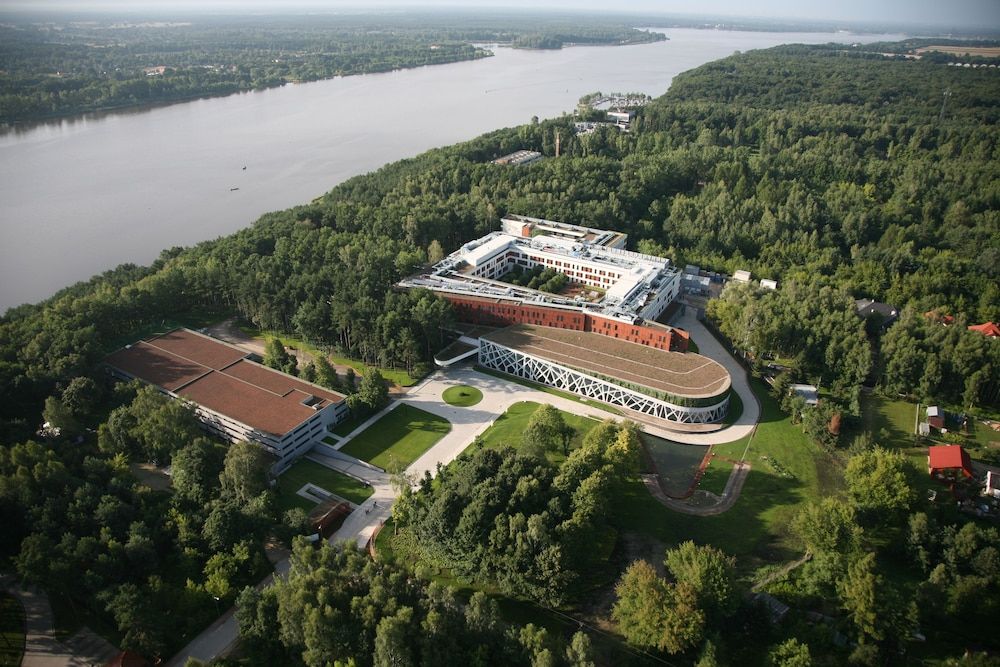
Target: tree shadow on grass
755, 529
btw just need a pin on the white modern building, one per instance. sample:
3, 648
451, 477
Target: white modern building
627, 287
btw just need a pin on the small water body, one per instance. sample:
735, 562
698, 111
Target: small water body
675, 462
80, 196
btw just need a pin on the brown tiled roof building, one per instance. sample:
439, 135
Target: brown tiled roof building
235, 397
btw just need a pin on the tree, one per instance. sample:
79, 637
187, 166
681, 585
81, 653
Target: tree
709, 572
195, 471
326, 376
60, 417
372, 394
790, 653
859, 592
435, 253
642, 605
81, 397
830, 532
579, 652
277, 357
393, 641
244, 473
878, 484
546, 429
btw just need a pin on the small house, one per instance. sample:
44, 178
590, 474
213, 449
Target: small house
935, 417
882, 312
988, 329
810, 393
992, 484
948, 462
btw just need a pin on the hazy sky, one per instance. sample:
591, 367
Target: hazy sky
982, 13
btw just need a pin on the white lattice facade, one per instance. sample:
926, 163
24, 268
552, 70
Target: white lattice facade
513, 362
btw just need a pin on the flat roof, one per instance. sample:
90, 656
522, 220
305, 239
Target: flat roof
684, 374
218, 376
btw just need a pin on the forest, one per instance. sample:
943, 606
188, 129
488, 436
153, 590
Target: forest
836, 173
50, 69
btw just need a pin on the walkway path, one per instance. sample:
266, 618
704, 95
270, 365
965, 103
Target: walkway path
702, 503
41, 648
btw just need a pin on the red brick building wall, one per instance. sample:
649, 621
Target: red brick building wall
495, 313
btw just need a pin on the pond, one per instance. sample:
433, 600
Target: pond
676, 463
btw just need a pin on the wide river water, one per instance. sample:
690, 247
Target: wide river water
80, 196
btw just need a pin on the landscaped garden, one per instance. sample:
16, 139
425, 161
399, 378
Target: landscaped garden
309, 472
462, 396
398, 439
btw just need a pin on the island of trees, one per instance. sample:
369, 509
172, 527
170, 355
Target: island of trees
832, 170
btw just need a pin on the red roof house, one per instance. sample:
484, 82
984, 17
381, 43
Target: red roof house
948, 461
988, 329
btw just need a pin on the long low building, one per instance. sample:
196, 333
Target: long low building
678, 387
235, 397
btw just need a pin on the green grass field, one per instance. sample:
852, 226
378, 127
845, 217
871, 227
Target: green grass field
11, 631
304, 472
507, 429
398, 439
462, 396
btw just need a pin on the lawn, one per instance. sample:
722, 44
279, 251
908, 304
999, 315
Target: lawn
755, 530
398, 439
352, 422
716, 475
462, 396
549, 390
305, 471
11, 631
507, 429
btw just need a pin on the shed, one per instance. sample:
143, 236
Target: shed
767, 283
807, 391
777, 609
742, 276
935, 417
948, 461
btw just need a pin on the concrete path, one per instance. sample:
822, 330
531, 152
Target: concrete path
702, 503
41, 648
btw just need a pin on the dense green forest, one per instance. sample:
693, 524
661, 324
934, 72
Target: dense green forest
834, 172
58, 68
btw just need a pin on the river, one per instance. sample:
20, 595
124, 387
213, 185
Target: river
80, 196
